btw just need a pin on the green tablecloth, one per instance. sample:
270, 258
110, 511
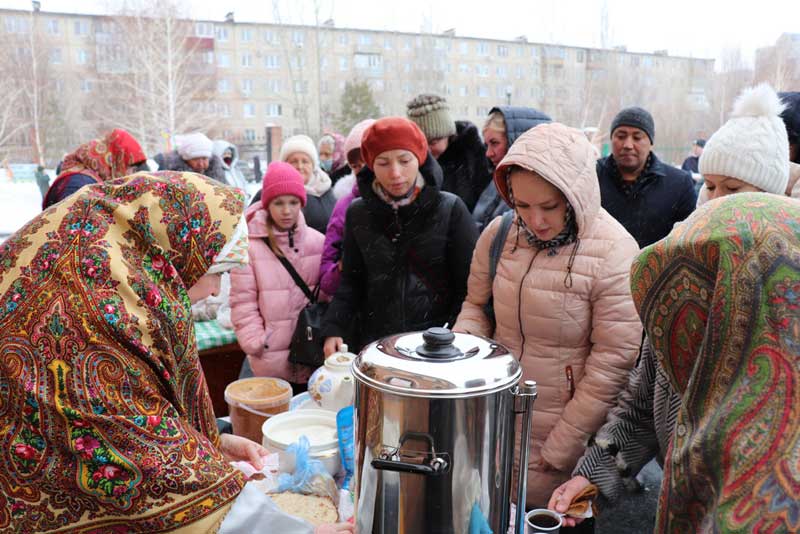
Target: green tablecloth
210, 334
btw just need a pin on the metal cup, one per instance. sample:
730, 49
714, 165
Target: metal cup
543, 521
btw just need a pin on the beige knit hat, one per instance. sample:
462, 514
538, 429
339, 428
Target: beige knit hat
432, 115
752, 146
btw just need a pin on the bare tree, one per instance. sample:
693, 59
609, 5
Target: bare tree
157, 73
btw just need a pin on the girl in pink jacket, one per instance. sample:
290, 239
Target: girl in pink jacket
265, 301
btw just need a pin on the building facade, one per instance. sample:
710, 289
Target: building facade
256, 77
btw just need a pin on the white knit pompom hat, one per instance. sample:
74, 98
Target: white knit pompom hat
300, 143
752, 146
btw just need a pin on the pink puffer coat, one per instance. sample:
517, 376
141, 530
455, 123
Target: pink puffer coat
265, 301
590, 325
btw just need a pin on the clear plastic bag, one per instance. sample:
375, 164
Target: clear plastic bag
310, 476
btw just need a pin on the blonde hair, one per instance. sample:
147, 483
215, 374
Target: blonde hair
271, 242
495, 121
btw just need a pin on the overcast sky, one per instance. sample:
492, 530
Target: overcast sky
699, 28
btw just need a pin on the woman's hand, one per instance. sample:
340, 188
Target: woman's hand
332, 344
239, 449
335, 528
564, 494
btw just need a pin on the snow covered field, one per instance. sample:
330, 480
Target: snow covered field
19, 203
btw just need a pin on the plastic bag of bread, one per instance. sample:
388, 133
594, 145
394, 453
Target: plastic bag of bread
313, 508
310, 476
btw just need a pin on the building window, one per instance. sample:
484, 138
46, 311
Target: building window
377, 85
463, 90
343, 64
482, 49
273, 86
274, 110
520, 73
55, 56
483, 91
207, 57
86, 86
81, 27
223, 109
204, 29
387, 43
463, 48
481, 111
53, 27
364, 39
246, 35
520, 51
247, 87
269, 37
247, 60
368, 61
223, 85
222, 34
581, 56
300, 113
83, 57
298, 37
482, 70
249, 111
272, 62
407, 44
300, 86
343, 38
249, 134
407, 88
501, 71
297, 62
223, 60
502, 50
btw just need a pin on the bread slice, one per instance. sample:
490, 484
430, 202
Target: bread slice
316, 510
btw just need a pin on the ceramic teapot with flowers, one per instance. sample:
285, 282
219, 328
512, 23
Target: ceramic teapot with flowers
332, 386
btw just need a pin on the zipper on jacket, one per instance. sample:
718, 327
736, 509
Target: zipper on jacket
519, 304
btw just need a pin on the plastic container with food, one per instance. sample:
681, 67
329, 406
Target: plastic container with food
251, 401
319, 426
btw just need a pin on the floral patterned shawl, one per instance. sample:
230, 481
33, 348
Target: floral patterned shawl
105, 420
103, 159
720, 299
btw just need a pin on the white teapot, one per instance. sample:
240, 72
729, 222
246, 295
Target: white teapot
332, 386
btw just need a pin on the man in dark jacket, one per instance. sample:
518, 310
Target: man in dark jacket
691, 163
456, 145
502, 128
645, 195
194, 154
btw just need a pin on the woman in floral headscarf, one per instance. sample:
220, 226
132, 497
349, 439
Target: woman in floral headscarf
720, 301
106, 424
114, 155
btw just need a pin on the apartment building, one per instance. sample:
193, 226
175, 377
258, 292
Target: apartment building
291, 78
780, 64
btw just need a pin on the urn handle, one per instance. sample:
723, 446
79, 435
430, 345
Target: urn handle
391, 458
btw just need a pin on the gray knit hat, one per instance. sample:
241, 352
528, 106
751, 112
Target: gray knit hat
432, 115
637, 118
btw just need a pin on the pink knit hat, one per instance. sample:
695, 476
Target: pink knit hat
282, 179
353, 140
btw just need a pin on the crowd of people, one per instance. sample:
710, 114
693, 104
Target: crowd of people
658, 323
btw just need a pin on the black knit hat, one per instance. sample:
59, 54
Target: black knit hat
791, 115
637, 118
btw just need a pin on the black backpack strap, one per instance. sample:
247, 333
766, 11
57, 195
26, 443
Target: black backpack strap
312, 297
497, 243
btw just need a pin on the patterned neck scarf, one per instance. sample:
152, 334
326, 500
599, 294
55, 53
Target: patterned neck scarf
720, 301
109, 427
567, 235
235, 252
405, 200
627, 187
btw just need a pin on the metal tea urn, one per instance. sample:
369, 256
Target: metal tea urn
434, 434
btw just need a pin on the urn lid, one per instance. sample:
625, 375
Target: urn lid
437, 363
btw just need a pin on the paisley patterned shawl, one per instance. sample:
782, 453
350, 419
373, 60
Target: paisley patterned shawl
105, 420
720, 300
105, 158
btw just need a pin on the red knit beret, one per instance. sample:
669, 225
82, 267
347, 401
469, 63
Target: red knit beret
393, 133
282, 179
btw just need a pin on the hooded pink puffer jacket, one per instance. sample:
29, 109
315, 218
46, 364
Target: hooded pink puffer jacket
265, 301
589, 325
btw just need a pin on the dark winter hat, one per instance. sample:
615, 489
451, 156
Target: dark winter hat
635, 117
791, 115
432, 115
700, 142
282, 179
393, 133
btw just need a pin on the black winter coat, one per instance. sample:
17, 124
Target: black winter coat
403, 270
518, 121
317, 210
661, 196
172, 161
464, 165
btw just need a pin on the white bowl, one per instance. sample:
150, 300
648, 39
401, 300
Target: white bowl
319, 426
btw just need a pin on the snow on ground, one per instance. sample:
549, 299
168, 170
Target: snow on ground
19, 203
